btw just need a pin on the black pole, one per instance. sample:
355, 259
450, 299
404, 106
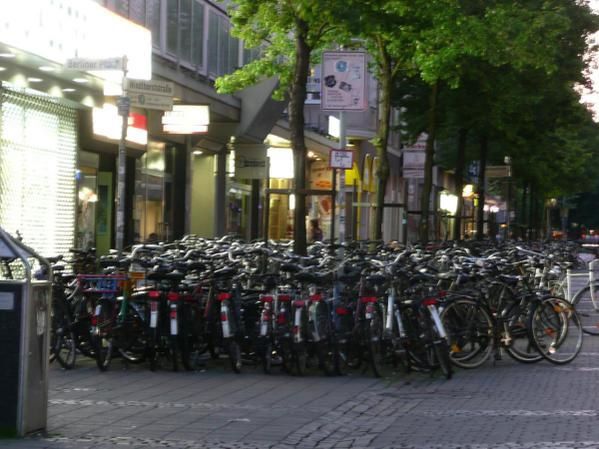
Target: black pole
333, 205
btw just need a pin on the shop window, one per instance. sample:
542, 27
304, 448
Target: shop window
152, 187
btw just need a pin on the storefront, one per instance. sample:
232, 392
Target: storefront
38, 151
53, 187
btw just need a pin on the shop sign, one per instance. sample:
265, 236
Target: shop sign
343, 81
151, 94
321, 175
186, 119
107, 123
250, 161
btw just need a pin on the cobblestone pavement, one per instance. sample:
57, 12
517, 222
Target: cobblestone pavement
503, 405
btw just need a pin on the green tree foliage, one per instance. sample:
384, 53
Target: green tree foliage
293, 32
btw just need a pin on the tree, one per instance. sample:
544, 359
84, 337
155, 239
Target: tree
294, 31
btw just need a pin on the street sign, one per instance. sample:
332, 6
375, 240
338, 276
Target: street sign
123, 106
250, 161
497, 171
341, 159
90, 65
151, 94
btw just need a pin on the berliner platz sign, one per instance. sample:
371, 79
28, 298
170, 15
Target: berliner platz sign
93, 37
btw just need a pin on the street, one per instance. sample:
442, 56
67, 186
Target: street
501, 405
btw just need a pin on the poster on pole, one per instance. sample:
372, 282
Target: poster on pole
343, 79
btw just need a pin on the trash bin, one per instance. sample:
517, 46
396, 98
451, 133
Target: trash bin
25, 305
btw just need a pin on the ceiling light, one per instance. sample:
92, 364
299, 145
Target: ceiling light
7, 55
34, 80
47, 68
2, 69
81, 80
197, 152
68, 89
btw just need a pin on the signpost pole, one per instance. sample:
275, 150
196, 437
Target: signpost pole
333, 207
122, 165
341, 190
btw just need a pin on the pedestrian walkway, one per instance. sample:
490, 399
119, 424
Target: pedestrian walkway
508, 405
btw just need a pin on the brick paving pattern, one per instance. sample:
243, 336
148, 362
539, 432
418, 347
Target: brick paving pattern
502, 405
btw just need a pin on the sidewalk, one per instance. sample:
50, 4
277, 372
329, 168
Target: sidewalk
508, 405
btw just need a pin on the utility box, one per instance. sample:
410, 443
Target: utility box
25, 305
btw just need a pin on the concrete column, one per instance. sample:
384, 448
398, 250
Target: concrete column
220, 195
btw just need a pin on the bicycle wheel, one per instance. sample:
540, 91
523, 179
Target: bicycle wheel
374, 335
556, 330
469, 331
586, 302
515, 335
130, 337
235, 356
102, 337
441, 351
63, 346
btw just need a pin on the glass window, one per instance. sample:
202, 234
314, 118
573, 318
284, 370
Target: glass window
172, 26
137, 11
223, 46
233, 62
213, 43
185, 28
153, 20
122, 7
197, 35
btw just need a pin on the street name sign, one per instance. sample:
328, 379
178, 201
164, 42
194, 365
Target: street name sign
343, 159
151, 94
91, 65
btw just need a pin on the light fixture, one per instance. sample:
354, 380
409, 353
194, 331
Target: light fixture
81, 80
7, 55
69, 89
2, 69
47, 68
311, 154
32, 79
197, 152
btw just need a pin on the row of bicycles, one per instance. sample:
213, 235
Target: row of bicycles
357, 306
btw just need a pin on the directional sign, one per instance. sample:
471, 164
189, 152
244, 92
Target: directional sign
151, 94
90, 65
341, 159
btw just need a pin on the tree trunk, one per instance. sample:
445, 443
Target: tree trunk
480, 213
428, 165
296, 126
381, 141
459, 182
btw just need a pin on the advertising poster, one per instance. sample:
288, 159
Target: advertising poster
343, 81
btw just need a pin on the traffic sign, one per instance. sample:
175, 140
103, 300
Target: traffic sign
151, 94
341, 159
90, 65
